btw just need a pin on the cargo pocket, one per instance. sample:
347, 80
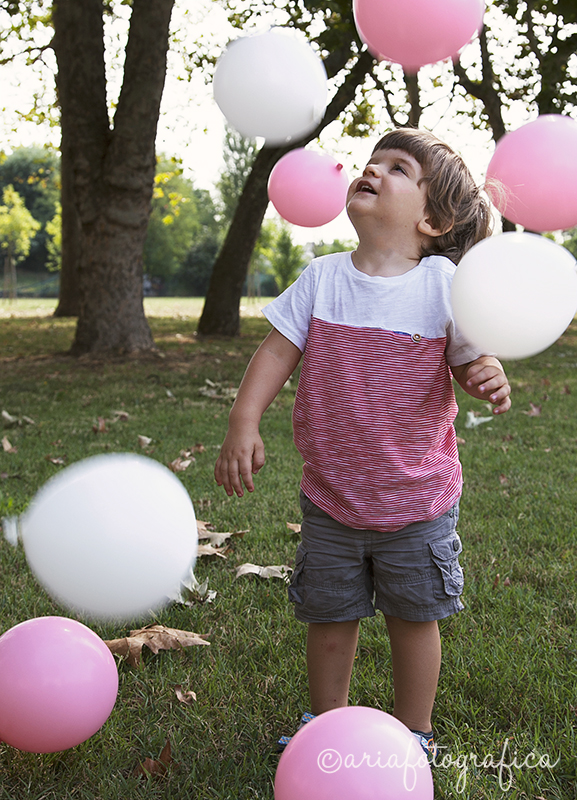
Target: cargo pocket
295, 586
445, 554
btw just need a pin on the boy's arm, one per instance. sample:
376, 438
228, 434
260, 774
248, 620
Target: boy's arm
485, 379
242, 453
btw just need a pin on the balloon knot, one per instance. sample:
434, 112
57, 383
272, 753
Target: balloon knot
340, 166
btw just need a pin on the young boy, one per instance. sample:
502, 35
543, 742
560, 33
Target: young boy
373, 420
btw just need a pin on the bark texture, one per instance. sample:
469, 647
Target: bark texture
69, 294
112, 167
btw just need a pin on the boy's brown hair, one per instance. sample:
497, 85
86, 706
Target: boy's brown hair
455, 204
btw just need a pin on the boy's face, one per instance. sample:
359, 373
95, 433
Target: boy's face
389, 192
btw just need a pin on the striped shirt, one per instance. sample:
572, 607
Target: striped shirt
374, 410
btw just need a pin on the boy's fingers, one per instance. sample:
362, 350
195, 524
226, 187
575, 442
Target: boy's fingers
258, 458
505, 405
483, 375
246, 475
221, 477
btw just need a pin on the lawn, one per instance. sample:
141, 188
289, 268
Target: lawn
507, 705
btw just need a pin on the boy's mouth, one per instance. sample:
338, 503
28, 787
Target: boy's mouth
364, 186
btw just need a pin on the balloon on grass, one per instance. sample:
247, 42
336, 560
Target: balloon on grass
58, 684
514, 294
417, 32
354, 752
271, 85
111, 536
532, 176
308, 188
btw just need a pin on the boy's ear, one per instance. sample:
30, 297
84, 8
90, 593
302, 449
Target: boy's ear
428, 229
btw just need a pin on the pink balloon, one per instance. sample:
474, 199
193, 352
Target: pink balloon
58, 684
354, 752
417, 32
308, 188
534, 170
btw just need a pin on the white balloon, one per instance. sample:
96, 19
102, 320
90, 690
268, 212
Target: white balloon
514, 294
111, 536
271, 85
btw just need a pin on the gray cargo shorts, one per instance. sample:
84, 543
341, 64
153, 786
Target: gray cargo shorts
343, 574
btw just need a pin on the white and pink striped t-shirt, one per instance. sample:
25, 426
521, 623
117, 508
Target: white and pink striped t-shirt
374, 410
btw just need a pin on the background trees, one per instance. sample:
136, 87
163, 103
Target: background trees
17, 227
34, 172
523, 64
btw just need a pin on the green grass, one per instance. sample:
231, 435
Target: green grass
509, 665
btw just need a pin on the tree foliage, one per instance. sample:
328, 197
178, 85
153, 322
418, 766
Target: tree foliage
17, 227
287, 259
238, 155
34, 172
183, 232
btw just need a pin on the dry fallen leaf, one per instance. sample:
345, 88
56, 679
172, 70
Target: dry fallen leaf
460, 441
100, 427
183, 461
191, 591
156, 768
503, 480
534, 412
7, 447
187, 697
205, 531
217, 391
294, 527
8, 419
282, 571
60, 461
211, 550
474, 421
11, 421
156, 638
180, 464
144, 441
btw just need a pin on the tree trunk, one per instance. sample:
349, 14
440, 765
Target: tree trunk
10, 280
414, 94
113, 168
486, 90
221, 312
69, 293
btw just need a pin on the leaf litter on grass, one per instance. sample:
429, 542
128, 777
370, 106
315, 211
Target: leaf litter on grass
156, 638
157, 768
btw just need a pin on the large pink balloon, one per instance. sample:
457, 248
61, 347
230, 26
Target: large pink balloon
417, 32
58, 684
308, 188
534, 174
353, 753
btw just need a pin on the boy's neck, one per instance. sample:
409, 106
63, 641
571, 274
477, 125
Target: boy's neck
386, 263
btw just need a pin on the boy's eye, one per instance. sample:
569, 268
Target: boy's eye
399, 168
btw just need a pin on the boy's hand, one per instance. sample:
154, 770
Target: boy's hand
486, 379
241, 457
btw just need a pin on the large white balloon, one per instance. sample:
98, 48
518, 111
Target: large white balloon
111, 536
271, 85
514, 294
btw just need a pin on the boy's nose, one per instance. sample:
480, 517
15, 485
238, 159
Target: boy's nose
371, 169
